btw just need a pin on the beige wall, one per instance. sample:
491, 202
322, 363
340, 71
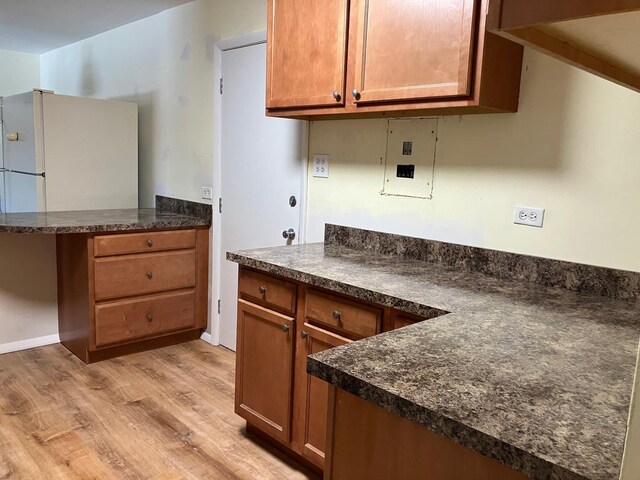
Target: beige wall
165, 64
573, 149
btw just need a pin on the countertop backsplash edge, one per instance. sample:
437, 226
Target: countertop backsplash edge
575, 277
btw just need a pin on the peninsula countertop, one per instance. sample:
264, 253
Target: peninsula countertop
95, 221
539, 378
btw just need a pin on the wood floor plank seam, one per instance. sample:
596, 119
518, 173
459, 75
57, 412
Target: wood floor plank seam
165, 414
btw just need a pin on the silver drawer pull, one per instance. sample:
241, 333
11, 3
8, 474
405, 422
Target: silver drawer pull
336, 314
149, 275
285, 328
262, 290
304, 334
150, 243
149, 317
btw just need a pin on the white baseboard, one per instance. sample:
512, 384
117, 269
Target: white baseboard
206, 337
29, 343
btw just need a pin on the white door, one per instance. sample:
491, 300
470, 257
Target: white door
263, 165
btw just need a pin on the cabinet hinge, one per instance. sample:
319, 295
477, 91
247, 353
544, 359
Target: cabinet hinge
218, 306
220, 85
219, 204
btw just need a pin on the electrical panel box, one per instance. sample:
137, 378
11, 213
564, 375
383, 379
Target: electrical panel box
410, 157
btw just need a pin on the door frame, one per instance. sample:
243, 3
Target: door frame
248, 40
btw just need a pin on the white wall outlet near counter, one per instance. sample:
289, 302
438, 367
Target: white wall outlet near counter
207, 193
321, 166
531, 216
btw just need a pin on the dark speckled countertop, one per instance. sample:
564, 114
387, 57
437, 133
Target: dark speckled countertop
92, 221
539, 378
170, 213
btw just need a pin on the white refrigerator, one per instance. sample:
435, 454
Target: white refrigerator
67, 153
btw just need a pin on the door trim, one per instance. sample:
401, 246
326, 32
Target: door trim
248, 40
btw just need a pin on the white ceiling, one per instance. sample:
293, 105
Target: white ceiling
37, 26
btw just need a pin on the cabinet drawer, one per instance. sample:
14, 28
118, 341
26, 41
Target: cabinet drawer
104, 245
354, 319
145, 273
145, 317
267, 291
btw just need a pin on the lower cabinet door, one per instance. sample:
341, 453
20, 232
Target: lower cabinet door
313, 393
264, 369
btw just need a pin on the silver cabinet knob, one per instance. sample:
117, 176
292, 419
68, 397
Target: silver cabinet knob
285, 328
289, 234
262, 290
149, 275
355, 93
336, 95
336, 314
149, 243
149, 317
304, 334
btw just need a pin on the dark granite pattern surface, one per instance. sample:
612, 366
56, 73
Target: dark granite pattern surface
184, 207
575, 277
536, 377
92, 221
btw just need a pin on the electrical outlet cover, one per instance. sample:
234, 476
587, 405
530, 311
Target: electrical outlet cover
207, 193
321, 166
531, 216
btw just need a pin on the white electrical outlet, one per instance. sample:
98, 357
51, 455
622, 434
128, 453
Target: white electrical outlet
321, 166
528, 216
207, 193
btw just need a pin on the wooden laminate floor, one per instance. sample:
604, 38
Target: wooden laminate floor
162, 415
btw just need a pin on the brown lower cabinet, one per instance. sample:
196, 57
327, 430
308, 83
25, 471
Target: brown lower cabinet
264, 369
127, 292
280, 323
311, 394
366, 441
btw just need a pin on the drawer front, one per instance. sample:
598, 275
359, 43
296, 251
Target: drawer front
145, 273
267, 291
354, 319
104, 245
128, 320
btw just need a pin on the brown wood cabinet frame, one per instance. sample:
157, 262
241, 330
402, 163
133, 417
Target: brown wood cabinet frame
495, 73
519, 21
293, 437
76, 299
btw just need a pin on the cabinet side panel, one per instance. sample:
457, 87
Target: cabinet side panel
369, 442
501, 73
202, 278
73, 293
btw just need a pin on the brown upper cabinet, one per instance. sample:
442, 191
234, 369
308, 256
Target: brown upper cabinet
367, 58
307, 45
599, 36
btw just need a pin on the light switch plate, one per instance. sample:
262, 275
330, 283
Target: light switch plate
321, 166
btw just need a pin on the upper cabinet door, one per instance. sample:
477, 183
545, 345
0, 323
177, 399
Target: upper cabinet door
413, 49
307, 49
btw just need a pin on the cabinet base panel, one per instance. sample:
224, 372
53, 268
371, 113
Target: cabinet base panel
141, 346
256, 432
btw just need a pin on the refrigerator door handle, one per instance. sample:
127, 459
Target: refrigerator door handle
7, 170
